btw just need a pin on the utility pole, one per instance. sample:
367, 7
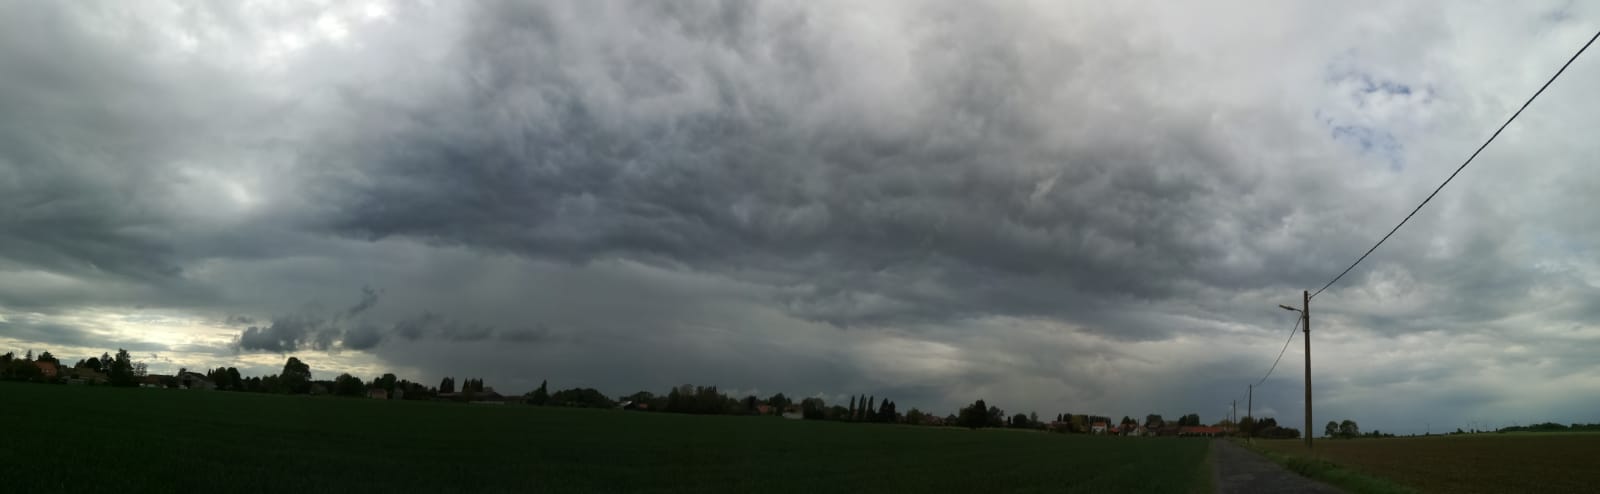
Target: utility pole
1249, 409
1235, 416
1305, 312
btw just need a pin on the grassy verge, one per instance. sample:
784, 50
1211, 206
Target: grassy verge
1331, 473
1204, 480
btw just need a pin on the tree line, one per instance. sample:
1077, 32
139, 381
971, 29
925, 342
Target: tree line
119, 370
296, 378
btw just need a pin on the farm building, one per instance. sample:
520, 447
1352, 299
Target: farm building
377, 394
47, 369
194, 380
1199, 431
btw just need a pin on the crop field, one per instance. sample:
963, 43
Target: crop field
1513, 462
74, 439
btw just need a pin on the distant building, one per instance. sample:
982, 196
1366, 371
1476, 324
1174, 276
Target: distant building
1199, 431
377, 394
764, 409
194, 380
48, 369
85, 376
1099, 428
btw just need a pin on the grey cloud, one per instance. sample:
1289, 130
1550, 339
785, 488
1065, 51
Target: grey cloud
363, 337
57, 334
369, 297
430, 325
238, 320
286, 334
525, 335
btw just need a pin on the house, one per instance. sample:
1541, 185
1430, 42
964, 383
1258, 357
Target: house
1138, 431
194, 380
48, 369
377, 394
764, 409
85, 376
153, 381
1199, 431
1098, 428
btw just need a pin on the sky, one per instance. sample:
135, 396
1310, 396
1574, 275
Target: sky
1054, 206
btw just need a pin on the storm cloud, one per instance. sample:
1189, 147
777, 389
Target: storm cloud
1054, 207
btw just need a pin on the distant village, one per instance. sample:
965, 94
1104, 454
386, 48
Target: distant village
296, 379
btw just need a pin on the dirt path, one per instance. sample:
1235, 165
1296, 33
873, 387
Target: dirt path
1241, 471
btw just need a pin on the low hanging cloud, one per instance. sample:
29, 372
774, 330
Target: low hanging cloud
347, 330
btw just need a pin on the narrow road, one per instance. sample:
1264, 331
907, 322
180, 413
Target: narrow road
1241, 471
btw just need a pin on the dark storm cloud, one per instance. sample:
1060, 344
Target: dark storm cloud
369, 297
363, 337
844, 211
429, 325
525, 335
287, 334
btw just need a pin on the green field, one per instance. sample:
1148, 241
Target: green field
1487, 463
69, 439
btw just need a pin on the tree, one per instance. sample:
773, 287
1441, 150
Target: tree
779, 402
852, 407
541, 396
916, 417
581, 397
976, 415
447, 385
1331, 430
92, 364
1348, 428
1019, 421
348, 385
813, 409
22, 370
296, 376
387, 383
121, 370
751, 404
1192, 419
1154, 420
235, 381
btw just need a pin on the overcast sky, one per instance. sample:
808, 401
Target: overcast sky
1053, 206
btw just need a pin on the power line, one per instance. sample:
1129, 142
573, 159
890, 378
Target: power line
1463, 164
1280, 352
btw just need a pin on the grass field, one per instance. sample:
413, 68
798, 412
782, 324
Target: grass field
68, 438
1497, 463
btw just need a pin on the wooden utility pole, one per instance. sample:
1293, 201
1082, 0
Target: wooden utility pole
1305, 312
1249, 409
1234, 417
